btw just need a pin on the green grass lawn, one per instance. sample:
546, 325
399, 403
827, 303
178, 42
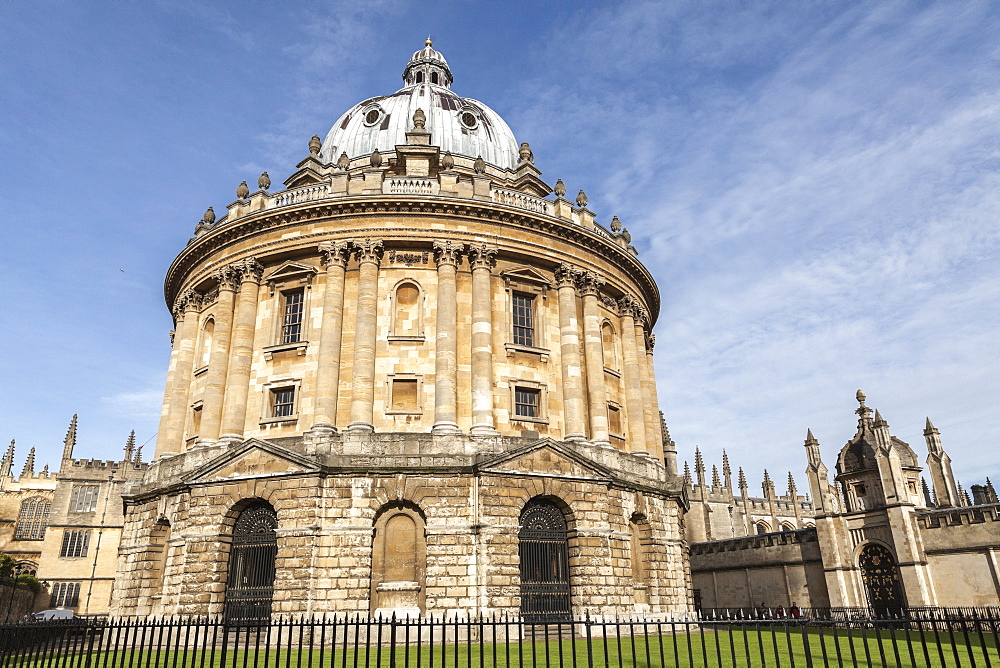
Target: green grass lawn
710, 648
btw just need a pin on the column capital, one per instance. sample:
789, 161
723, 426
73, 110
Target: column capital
248, 270
566, 275
335, 253
368, 251
589, 283
187, 300
627, 306
650, 342
482, 256
227, 277
448, 252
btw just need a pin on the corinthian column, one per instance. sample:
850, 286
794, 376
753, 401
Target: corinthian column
218, 362
633, 380
650, 409
234, 412
482, 258
589, 285
369, 255
569, 349
170, 437
447, 255
335, 255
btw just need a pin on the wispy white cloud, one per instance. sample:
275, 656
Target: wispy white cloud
142, 404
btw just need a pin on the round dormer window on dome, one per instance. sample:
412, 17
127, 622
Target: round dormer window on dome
468, 119
372, 115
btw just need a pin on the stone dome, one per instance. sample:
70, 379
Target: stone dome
460, 125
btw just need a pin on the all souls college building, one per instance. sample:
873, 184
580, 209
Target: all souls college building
408, 383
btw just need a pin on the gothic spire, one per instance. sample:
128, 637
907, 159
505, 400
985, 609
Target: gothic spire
138, 456
791, 485
687, 474
991, 491
29, 464
767, 485
716, 482
70, 441
741, 482
699, 467
7, 463
130, 446
926, 492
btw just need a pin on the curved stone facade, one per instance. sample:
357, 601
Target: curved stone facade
420, 335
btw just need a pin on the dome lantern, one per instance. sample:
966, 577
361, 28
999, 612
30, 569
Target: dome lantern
427, 66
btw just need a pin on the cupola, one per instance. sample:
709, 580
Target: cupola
427, 66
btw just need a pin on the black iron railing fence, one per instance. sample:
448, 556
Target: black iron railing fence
592, 642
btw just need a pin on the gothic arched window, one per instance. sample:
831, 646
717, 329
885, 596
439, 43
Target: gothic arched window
32, 519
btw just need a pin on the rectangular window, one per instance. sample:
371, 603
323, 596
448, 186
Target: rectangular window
283, 402
526, 402
84, 499
75, 543
291, 330
524, 319
614, 420
404, 395
65, 595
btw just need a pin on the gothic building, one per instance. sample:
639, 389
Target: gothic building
416, 380
878, 537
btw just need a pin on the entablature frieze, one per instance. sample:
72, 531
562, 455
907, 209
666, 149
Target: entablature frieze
265, 221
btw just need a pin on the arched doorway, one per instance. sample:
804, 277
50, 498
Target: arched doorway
881, 578
250, 587
544, 552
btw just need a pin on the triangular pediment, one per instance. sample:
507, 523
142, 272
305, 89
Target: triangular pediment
253, 459
524, 274
546, 457
291, 270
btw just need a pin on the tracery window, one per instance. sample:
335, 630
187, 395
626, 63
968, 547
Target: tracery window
75, 543
65, 595
32, 519
84, 498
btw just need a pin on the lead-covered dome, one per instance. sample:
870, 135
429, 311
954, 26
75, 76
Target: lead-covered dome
460, 125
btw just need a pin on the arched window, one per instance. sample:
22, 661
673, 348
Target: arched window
407, 314
250, 587
420, 77
543, 548
762, 528
608, 341
32, 519
787, 527
639, 539
434, 77
398, 561
205, 349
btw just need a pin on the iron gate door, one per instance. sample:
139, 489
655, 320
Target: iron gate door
250, 587
881, 578
544, 553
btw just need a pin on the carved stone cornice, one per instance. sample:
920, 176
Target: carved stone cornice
227, 277
641, 314
589, 283
335, 253
609, 302
249, 270
448, 252
368, 250
566, 275
357, 210
482, 256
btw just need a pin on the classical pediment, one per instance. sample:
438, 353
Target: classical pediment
291, 270
524, 275
546, 457
254, 459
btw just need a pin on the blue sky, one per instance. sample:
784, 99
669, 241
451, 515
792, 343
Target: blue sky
815, 186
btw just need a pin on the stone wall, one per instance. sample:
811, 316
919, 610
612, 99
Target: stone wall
963, 553
470, 515
773, 569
